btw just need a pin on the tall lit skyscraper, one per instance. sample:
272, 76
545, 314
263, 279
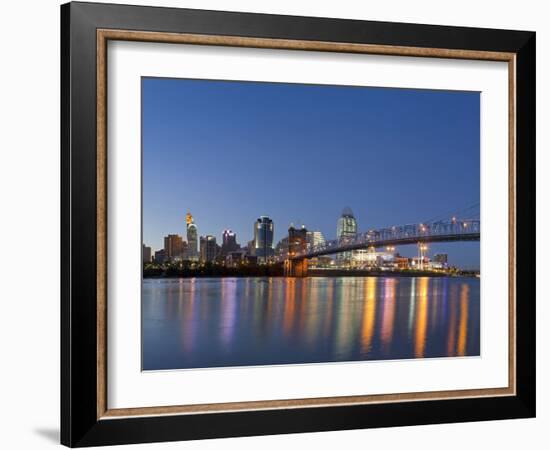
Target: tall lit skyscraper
192, 239
263, 239
346, 231
347, 225
315, 238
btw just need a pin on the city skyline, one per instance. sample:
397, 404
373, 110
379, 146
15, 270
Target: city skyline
346, 234
202, 151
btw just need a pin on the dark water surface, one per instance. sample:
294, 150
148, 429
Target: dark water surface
215, 322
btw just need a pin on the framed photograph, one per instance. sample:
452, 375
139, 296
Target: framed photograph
276, 224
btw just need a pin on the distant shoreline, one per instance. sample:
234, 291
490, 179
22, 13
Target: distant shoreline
385, 273
324, 273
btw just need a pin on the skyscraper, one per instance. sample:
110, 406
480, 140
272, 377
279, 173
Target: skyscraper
147, 255
346, 231
229, 242
263, 239
159, 256
250, 248
173, 247
209, 249
192, 239
315, 238
281, 249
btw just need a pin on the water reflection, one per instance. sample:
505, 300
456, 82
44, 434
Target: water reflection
256, 321
422, 317
388, 313
463, 326
369, 315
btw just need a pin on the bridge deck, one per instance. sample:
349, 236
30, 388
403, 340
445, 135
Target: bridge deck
332, 249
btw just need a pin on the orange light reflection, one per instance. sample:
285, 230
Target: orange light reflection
422, 318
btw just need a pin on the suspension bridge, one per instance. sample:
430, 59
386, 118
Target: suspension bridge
436, 230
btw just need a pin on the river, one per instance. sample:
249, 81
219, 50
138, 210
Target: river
222, 322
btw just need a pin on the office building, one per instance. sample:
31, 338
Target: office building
439, 261
192, 253
250, 247
159, 257
233, 259
441, 258
263, 239
229, 242
315, 239
346, 232
173, 247
208, 248
146, 254
281, 249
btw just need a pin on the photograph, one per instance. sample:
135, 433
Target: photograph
270, 224
289, 223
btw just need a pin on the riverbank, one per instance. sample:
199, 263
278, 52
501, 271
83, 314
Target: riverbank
386, 273
270, 271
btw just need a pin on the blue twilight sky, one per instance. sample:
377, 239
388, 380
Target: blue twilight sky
229, 152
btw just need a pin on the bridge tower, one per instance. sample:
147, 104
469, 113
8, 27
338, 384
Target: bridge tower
297, 244
295, 268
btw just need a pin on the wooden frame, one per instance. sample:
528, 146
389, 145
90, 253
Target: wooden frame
86, 418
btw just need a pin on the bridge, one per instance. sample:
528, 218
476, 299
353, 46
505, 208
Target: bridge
440, 231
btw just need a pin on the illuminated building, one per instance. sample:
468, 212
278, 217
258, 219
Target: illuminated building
323, 262
209, 249
440, 258
439, 261
192, 253
173, 247
297, 240
346, 231
146, 255
263, 239
347, 225
371, 258
402, 262
315, 239
233, 259
281, 249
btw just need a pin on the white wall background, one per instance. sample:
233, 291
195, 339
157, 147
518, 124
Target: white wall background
29, 225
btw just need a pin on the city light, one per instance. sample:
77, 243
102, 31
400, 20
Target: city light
374, 250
